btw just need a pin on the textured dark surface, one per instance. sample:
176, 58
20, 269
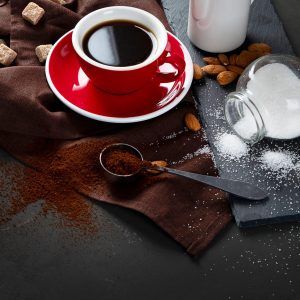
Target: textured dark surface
130, 258
284, 191
289, 13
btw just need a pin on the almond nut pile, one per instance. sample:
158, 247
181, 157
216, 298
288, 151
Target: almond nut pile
229, 68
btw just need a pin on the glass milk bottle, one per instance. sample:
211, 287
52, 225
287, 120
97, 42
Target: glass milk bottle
267, 100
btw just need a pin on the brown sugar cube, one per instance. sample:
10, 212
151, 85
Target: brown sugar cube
2, 42
7, 55
62, 2
33, 13
42, 52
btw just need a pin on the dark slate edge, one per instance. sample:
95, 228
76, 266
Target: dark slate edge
264, 26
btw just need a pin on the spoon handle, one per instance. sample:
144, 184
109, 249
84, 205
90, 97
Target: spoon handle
234, 187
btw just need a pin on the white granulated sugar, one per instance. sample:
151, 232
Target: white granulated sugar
218, 114
173, 135
278, 161
246, 126
188, 156
203, 150
230, 145
275, 90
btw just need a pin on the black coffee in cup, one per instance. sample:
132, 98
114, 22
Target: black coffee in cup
119, 43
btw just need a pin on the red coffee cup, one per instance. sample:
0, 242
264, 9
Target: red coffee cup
123, 80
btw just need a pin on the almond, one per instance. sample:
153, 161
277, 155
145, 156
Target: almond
245, 58
198, 73
260, 47
223, 59
192, 122
157, 163
211, 60
260, 54
213, 69
232, 59
226, 77
235, 69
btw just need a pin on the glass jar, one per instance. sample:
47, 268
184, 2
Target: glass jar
267, 100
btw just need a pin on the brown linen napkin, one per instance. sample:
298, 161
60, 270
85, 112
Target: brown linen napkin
36, 128
4, 18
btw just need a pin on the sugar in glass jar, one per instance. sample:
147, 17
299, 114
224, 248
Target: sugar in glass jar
267, 100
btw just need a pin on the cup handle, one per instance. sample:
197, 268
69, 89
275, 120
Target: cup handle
170, 66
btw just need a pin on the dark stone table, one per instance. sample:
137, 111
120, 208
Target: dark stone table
130, 258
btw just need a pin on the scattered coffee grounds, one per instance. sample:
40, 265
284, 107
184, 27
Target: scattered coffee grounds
59, 174
52, 182
30, 186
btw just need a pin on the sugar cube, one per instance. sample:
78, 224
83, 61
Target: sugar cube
33, 13
42, 52
7, 55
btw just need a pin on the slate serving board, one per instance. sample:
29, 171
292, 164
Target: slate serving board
284, 190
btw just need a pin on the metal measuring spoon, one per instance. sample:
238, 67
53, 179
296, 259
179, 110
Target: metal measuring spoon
238, 188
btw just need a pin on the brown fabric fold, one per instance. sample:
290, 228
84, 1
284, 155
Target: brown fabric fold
4, 18
63, 146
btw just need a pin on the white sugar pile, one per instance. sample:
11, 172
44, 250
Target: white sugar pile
230, 145
278, 161
246, 126
275, 90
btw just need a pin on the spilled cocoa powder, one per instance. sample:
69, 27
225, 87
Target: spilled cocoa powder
51, 179
58, 176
